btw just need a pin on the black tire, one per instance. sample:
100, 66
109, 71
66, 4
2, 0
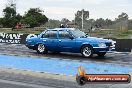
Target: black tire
41, 49
87, 51
81, 80
101, 54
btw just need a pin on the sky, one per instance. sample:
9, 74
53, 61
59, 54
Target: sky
58, 9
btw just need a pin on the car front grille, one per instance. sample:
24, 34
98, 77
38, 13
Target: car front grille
108, 44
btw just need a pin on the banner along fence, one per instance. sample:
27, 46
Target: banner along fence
14, 38
122, 45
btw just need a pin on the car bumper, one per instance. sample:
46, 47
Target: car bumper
30, 46
107, 49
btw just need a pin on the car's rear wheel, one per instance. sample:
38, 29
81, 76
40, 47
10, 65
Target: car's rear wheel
41, 49
87, 51
101, 54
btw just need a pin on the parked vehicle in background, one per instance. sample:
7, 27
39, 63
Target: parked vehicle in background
69, 40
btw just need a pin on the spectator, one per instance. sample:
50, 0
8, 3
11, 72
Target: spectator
13, 27
62, 26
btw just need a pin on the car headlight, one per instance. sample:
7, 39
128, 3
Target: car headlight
102, 45
26, 40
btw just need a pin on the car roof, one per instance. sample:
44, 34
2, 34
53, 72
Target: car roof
61, 29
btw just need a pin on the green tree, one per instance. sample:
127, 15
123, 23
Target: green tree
90, 23
9, 12
52, 24
34, 17
108, 22
1, 24
130, 24
9, 19
64, 21
100, 22
85, 14
122, 22
122, 16
18, 17
103, 23
78, 17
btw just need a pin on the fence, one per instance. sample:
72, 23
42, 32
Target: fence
122, 45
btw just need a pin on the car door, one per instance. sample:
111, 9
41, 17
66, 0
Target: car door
66, 44
50, 39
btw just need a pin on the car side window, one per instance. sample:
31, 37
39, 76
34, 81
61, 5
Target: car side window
50, 34
64, 35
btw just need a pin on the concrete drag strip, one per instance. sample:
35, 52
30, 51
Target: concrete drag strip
31, 79
38, 74
23, 84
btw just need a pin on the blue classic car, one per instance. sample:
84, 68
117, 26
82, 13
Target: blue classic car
69, 40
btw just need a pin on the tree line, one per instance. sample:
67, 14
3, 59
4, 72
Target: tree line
121, 22
35, 18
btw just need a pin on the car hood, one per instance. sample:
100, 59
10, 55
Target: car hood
94, 39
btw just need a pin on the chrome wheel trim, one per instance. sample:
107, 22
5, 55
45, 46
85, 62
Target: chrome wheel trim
87, 51
41, 48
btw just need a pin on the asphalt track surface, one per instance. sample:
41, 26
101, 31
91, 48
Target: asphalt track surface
123, 58
12, 80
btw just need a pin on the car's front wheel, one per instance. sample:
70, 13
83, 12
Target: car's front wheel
87, 51
41, 49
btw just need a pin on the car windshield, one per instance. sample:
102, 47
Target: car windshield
78, 33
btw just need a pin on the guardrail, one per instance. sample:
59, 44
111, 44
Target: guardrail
122, 45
